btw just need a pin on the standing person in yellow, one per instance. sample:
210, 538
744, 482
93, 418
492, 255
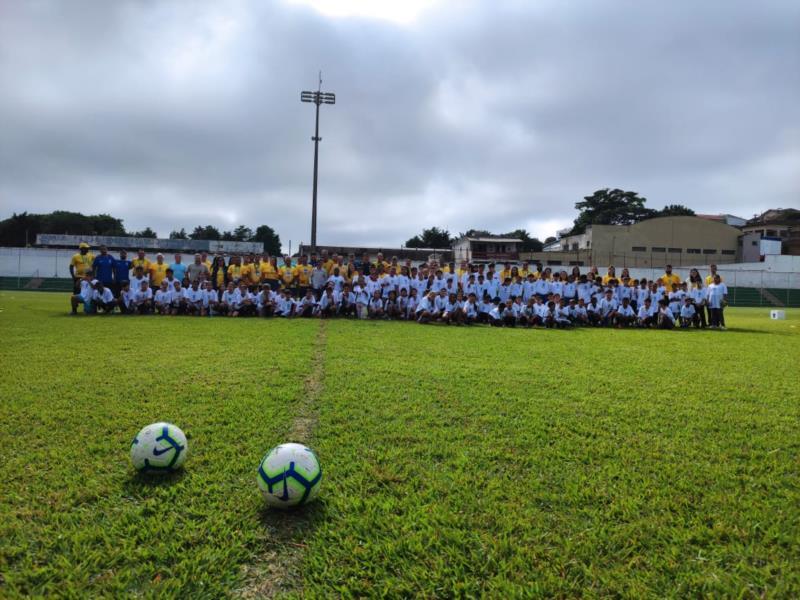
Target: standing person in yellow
205, 261
668, 278
141, 261
287, 273
611, 274
158, 272
269, 271
302, 276
712, 273
80, 264
235, 269
248, 270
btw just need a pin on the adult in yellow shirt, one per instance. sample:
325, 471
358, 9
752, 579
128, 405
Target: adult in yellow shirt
610, 274
141, 261
235, 269
80, 265
269, 272
158, 271
302, 275
710, 278
248, 269
668, 278
205, 261
286, 273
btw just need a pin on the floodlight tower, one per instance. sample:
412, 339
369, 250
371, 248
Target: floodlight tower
318, 97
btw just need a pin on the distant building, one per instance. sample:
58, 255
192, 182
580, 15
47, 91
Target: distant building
48, 240
731, 220
776, 231
681, 240
486, 249
415, 254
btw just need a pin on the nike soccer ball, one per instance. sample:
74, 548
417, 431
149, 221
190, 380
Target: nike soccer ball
159, 448
289, 475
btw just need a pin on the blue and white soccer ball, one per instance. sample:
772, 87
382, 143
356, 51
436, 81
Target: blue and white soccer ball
159, 448
289, 475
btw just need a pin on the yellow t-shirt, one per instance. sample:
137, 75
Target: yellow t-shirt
287, 275
504, 274
141, 262
234, 272
268, 271
220, 278
668, 280
246, 272
82, 263
303, 274
607, 278
157, 273
208, 264
710, 279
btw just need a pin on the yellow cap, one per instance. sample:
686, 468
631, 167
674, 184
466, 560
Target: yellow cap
83, 245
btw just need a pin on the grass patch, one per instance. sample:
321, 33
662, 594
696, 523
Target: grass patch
458, 461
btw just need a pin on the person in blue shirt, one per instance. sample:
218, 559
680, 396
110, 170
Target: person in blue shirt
122, 272
103, 267
178, 268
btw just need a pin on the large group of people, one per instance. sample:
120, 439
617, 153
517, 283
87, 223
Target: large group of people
327, 286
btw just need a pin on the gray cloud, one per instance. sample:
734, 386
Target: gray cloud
494, 115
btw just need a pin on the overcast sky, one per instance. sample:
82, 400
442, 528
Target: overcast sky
462, 114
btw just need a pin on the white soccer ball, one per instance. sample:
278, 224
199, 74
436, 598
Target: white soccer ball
159, 448
289, 475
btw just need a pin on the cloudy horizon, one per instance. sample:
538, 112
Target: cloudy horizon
457, 114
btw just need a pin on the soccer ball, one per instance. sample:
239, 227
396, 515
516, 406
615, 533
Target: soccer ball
159, 448
289, 475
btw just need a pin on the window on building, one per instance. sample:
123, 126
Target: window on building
772, 232
490, 247
693, 251
575, 246
588, 244
729, 252
754, 243
576, 263
709, 251
553, 263
783, 233
639, 249
676, 250
658, 249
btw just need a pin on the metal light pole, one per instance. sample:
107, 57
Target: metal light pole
318, 97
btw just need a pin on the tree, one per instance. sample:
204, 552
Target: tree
178, 235
267, 236
242, 233
209, 232
430, 238
675, 210
550, 240
19, 228
610, 207
529, 244
145, 233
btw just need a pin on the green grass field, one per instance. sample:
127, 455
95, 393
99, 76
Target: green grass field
457, 461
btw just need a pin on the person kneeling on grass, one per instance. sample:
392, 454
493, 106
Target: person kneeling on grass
142, 299
645, 317
375, 308
625, 316
470, 310
103, 298
308, 306
665, 319
347, 302
231, 299
265, 303
497, 313
247, 308
177, 305
125, 300
425, 309
193, 297
162, 299
84, 296
689, 314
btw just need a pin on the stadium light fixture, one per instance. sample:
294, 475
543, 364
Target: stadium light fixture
319, 97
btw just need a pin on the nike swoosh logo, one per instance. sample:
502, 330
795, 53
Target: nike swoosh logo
157, 452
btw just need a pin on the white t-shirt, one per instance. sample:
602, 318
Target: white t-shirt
715, 293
